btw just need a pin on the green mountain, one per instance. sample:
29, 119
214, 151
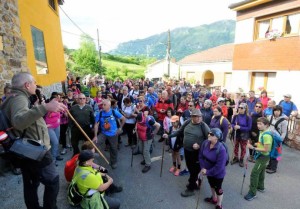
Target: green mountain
184, 41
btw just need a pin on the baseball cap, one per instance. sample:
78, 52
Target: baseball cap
85, 155
216, 132
174, 118
196, 112
220, 99
287, 95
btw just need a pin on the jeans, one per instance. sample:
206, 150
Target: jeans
257, 177
192, 163
33, 173
54, 140
273, 164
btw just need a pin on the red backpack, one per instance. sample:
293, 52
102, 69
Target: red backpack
142, 129
70, 168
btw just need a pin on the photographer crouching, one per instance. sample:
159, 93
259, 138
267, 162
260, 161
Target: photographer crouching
27, 122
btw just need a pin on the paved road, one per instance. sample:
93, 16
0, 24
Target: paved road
149, 191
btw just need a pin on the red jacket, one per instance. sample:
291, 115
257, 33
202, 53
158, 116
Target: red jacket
163, 105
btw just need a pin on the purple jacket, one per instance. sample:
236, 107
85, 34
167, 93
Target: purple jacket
216, 123
245, 122
213, 163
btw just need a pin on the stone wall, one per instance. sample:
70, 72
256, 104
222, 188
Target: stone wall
13, 55
47, 90
293, 140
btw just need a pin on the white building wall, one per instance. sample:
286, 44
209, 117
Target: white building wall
244, 31
160, 69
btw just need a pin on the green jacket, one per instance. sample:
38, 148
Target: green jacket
16, 108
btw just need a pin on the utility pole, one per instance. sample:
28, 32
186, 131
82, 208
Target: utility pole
168, 52
99, 51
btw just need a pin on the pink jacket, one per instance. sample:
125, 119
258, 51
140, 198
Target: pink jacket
52, 119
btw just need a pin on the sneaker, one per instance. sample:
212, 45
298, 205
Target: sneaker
251, 159
261, 190
219, 207
161, 139
270, 171
59, 158
64, 151
172, 169
234, 161
210, 200
143, 162
127, 145
184, 172
249, 196
187, 193
176, 173
16, 171
146, 169
117, 189
241, 163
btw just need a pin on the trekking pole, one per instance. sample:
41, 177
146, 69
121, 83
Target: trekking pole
200, 181
162, 157
245, 169
86, 136
233, 144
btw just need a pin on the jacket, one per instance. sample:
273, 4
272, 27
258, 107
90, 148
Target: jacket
223, 125
245, 123
21, 116
163, 105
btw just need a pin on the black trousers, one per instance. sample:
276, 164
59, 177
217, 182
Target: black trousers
76, 135
192, 163
273, 163
128, 127
63, 135
35, 173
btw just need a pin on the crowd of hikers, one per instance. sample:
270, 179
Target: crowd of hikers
193, 123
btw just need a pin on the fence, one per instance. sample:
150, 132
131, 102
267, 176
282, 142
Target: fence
293, 139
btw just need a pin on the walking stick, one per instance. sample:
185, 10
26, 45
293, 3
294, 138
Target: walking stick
245, 169
162, 157
86, 136
233, 144
201, 181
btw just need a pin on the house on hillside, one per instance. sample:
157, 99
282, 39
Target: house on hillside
212, 67
30, 40
159, 69
267, 47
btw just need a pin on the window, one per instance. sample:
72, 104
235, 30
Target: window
52, 4
39, 50
263, 80
283, 25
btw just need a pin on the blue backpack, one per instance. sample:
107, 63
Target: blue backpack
276, 150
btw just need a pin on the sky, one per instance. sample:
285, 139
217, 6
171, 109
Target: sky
125, 20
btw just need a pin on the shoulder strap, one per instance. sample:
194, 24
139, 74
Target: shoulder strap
292, 104
221, 120
280, 102
277, 123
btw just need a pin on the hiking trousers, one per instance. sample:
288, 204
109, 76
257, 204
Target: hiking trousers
192, 163
257, 177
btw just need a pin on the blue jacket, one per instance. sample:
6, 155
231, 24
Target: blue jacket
209, 159
251, 105
207, 113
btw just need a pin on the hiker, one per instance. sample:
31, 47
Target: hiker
264, 99
254, 130
269, 110
221, 104
219, 121
241, 123
194, 132
288, 107
251, 102
91, 182
279, 124
263, 149
175, 144
230, 104
213, 164
206, 111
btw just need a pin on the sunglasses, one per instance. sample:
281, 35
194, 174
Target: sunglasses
191, 105
81, 98
258, 106
241, 108
211, 134
140, 101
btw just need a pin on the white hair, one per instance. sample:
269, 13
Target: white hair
20, 79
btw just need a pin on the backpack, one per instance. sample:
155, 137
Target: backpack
276, 150
277, 124
144, 130
221, 143
291, 108
221, 122
70, 168
74, 196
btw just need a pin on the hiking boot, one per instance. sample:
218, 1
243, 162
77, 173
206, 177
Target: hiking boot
261, 190
219, 207
146, 169
241, 163
161, 139
187, 193
210, 200
16, 171
234, 161
172, 169
59, 158
143, 162
184, 172
127, 145
64, 151
249, 196
251, 159
176, 173
114, 166
270, 171
117, 189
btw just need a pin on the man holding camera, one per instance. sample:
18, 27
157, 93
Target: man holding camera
27, 121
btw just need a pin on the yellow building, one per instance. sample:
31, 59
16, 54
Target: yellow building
41, 31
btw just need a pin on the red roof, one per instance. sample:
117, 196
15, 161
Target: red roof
218, 54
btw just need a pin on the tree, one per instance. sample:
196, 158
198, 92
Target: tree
87, 56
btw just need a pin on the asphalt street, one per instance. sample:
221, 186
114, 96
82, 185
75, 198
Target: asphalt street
150, 191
